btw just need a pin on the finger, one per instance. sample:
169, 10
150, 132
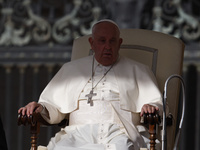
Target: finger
20, 110
144, 110
149, 109
141, 113
152, 109
30, 107
30, 110
24, 111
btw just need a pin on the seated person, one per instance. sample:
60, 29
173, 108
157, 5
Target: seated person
103, 95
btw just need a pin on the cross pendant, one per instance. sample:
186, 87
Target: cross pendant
90, 95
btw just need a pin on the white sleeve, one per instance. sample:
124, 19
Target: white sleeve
51, 114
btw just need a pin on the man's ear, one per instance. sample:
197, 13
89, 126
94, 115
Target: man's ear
120, 41
90, 41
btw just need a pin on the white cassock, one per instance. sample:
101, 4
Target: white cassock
111, 123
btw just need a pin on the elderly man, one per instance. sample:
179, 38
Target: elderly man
103, 95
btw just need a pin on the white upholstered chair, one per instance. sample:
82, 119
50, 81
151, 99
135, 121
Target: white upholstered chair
162, 53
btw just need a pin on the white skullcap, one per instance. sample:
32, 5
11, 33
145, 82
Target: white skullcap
106, 20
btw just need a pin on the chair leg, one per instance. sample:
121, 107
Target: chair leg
152, 132
35, 129
152, 120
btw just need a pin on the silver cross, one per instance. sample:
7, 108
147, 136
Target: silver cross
90, 95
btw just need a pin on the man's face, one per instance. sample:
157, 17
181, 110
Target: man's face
105, 42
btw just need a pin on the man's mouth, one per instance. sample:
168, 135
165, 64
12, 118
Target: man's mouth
107, 54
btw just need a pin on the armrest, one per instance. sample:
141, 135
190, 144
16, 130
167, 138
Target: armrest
35, 121
31, 120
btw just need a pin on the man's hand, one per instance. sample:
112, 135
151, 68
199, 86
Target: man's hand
148, 109
30, 108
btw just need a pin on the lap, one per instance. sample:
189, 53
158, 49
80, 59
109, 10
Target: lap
91, 137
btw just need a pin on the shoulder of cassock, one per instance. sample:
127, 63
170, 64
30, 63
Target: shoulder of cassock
137, 85
64, 88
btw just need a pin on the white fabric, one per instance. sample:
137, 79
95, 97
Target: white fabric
107, 91
93, 127
100, 112
78, 138
99, 121
101, 133
107, 88
137, 85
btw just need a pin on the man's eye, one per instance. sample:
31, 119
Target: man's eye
102, 41
112, 41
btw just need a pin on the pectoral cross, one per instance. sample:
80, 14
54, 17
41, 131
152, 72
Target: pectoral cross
90, 95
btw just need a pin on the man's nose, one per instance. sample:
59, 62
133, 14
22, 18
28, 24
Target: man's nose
108, 46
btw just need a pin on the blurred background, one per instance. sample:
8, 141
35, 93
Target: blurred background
36, 37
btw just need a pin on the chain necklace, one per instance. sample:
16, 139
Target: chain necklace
91, 94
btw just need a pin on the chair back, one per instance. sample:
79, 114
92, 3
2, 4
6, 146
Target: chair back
161, 52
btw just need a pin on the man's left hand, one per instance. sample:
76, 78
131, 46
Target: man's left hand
147, 108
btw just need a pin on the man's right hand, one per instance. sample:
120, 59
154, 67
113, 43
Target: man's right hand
30, 108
